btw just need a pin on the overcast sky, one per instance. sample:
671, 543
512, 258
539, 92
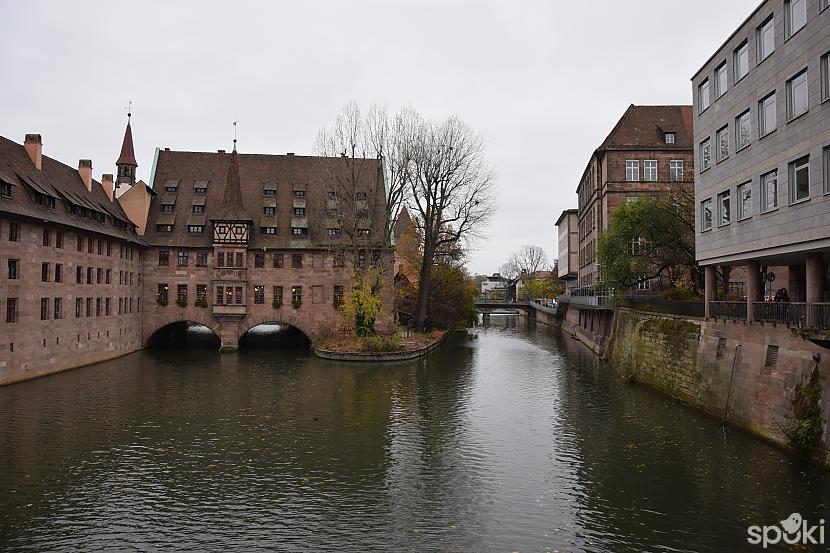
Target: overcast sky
543, 82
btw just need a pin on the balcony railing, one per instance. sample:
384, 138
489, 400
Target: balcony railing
814, 315
732, 310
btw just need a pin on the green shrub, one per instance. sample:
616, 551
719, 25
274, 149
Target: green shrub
161, 302
296, 304
200, 303
378, 343
181, 303
276, 304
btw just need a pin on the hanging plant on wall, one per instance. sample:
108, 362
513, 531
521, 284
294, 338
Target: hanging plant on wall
276, 304
181, 303
161, 302
297, 303
200, 303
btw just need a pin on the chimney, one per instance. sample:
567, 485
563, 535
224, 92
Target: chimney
106, 182
85, 171
290, 154
34, 147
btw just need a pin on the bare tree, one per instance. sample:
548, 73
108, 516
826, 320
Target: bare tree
452, 193
529, 260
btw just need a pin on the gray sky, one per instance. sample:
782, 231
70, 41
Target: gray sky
543, 82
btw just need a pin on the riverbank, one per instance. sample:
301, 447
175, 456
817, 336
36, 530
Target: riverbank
398, 347
750, 376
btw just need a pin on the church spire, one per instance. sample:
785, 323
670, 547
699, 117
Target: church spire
232, 208
126, 161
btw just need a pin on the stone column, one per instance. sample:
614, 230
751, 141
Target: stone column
710, 288
815, 284
754, 287
228, 336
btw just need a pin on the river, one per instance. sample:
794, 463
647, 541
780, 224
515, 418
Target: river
510, 440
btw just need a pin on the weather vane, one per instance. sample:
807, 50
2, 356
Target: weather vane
129, 109
234, 133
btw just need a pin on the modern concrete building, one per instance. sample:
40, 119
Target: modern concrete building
494, 285
762, 165
567, 228
647, 151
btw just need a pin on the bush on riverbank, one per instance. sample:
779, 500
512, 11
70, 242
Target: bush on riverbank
381, 343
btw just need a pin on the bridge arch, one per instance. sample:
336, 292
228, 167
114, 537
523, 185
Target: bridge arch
177, 315
252, 321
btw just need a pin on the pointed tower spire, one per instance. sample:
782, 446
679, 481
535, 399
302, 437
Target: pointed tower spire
126, 161
232, 208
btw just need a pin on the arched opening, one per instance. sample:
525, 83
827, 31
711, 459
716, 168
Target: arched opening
184, 334
274, 335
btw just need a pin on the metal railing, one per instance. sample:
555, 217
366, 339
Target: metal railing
788, 313
818, 315
669, 307
733, 310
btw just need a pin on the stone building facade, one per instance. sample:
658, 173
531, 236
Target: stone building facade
762, 169
647, 151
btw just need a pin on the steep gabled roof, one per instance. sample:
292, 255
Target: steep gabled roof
127, 156
231, 207
643, 127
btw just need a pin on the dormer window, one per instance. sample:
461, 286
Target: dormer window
167, 208
164, 228
50, 202
669, 138
299, 193
198, 208
171, 189
268, 230
299, 211
299, 231
361, 195
270, 190
200, 190
269, 210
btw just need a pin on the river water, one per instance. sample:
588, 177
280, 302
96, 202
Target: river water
511, 440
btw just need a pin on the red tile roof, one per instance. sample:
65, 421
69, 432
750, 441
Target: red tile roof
644, 127
127, 156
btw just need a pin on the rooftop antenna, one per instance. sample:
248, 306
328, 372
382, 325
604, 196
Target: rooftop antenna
234, 133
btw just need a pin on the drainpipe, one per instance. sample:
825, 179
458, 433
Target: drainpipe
729, 390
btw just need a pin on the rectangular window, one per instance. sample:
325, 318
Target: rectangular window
824, 64
44, 309
98, 307
108, 307
183, 258
14, 232
11, 310
100, 247
167, 208
5, 189
200, 190
720, 80
766, 39
299, 231
47, 237
270, 191
724, 208
201, 293
259, 260
109, 276
741, 61
766, 115
162, 293
164, 258
722, 140
198, 208
797, 101
44, 272
201, 259
277, 293
334, 233
299, 193
220, 259
58, 309
825, 156
338, 296
669, 138
59, 240
268, 230
297, 261
164, 228
239, 262
795, 16
297, 294
800, 179
79, 275
705, 154
259, 294
238, 295
89, 275
109, 249
363, 233
99, 275
58, 272
89, 245
278, 260
195, 229
220, 295
743, 131
650, 170
769, 191
78, 306
89, 307
13, 264
703, 96
181, 292
299, 211
269, 210
744, 200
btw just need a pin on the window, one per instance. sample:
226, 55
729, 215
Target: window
108, 307
201, 293
13, 264
238, 294
268, 230
100, 247
795, 16
299, 231
703, 96
824, 62
58, 272
766, 115
89, 275
744, 200
269, 210
181, 292
201, 259
59, 240
299, 193
259, 294
650, 170
108, 276
220, 259
278, 260
99, 276
239, 262
270, 192
334, 232
79, 275
724, 211
277, 294
98, 307
338, 296
297, 294
297, 261
259, 260
44, 272
743, 132
797, 95
47, 237
164, 228
14, 232
705, 155
676, 170
11, 310
162, 292
200, 190
109, 249
360, 195
58, 309
198, 208
766, 39
669, 138
44, 309
800, 179
741, 61
182, 258
78, 304
825, 156
299, 211
164, 258
5, 189
720, 80
722, 140
195, 229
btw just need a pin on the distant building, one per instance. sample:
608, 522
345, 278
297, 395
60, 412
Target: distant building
568, 262
762, 139
493, 284
650, 149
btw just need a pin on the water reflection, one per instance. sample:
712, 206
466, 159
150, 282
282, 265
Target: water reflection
514, 439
